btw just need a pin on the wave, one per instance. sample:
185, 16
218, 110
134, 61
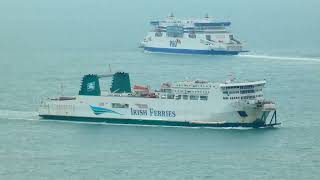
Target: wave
280, 57
23, 115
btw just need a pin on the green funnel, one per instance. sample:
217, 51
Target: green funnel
90, 85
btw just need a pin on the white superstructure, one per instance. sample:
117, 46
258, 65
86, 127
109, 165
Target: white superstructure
184, 103
191, 36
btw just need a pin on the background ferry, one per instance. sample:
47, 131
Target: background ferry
191, 36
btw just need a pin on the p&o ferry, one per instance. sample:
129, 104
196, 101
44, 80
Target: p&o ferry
190, 103
191, 36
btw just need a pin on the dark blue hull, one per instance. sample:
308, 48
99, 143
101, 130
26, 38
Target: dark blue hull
153, 122
191, 51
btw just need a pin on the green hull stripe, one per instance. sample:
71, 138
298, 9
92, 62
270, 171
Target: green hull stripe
152, 122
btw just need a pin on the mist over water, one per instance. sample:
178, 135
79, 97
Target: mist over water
44, 44
264, 26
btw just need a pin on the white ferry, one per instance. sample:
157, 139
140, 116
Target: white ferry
191, 36
197, 103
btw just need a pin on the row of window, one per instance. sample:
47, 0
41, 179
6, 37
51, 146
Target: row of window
193, 92
192, 35
180, 34
63, 107
169, 96
243, 97
241, 87
241, 92
244, 87
195, 86
142, 106
184, 97
119, 105
230, 92
201, 28
247, 91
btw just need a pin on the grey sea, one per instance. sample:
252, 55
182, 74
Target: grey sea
44, 44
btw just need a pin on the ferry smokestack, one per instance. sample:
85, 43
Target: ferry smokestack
90, 85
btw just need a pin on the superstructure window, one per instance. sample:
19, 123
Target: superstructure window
175, 31
234, 97
166, 90
185, 97
233, 92
208, 37
248, 97
178, 97
192, 35
246, 87
158, 34
170, 96
194, 97
119, 105
204, 98
246, 91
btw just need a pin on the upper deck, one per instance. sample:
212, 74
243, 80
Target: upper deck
186, 90
195, 25
201, 89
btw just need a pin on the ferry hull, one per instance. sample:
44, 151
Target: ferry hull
257, 124
190, 51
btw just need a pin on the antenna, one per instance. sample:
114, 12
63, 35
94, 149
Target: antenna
231, 76
110, 69
61, 89
110, 74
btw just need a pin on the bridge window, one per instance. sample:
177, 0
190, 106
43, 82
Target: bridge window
175, 31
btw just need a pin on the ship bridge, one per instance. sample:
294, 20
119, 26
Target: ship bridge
186, 90
242, 91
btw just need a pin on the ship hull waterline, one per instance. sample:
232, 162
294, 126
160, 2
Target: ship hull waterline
258, 124
190, 51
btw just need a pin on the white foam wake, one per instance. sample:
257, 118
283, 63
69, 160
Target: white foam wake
11, 114
280, 57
